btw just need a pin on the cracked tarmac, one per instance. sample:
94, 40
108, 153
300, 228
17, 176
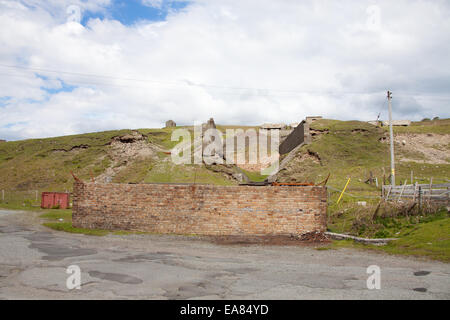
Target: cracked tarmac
34, 259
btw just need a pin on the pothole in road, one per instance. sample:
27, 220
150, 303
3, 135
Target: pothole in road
151, 256
45, 242
421, 273
420, 289
55, 252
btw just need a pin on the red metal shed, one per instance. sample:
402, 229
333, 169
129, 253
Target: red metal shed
53, 199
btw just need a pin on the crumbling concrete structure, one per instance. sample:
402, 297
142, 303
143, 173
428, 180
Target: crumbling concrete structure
170, 124
210, 124
273, 126
401, 123
311, 119
299, 136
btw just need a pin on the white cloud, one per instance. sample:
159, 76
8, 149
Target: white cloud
152, 3
260, 61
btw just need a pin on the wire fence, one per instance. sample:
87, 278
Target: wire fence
22, 197
418, 192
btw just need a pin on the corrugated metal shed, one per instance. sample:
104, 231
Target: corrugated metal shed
54, 199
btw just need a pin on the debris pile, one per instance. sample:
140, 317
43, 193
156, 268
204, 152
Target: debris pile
314, 236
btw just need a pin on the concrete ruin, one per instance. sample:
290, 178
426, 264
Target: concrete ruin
170, 124
311, 119
398, 123
273, 126
210, 124
299, 136
401, 123
293, 142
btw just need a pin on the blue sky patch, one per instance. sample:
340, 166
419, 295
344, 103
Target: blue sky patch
4, 101
64, 86
12, 124
129, 12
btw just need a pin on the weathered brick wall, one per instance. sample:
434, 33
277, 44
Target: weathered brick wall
200, 209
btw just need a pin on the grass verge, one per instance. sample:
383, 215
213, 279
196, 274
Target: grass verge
427, 239
61, 220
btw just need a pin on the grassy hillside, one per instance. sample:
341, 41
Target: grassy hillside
343, 149
45, 164
438, 126
354, 149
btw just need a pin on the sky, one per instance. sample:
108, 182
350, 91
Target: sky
77, 66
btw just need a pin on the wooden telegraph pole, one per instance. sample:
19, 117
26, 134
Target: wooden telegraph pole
391, 134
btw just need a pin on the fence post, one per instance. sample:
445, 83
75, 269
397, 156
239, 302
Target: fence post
420, 198
431, 187
415, 190
401, 192
388, 193
343, 190
37, 192
3, 195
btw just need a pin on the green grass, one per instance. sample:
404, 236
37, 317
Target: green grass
428, 239
56, 214
255, 176
162, 137
67, 227
441, 126
352, 149
167, 172
53, 221
53, 216
346, 149
46, 163
18, 205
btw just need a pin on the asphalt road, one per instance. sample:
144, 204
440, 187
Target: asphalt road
34, 259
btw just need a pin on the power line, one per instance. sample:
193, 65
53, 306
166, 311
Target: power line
243, 93
263, 92
186, 83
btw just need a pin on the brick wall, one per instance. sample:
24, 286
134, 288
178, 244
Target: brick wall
200, 209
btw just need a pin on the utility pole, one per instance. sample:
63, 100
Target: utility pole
391, 135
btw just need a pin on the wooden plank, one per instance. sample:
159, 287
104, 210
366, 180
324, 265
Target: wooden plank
401, 192
414, 198
389, 191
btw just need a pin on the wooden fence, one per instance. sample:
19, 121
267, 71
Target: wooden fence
418, 192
